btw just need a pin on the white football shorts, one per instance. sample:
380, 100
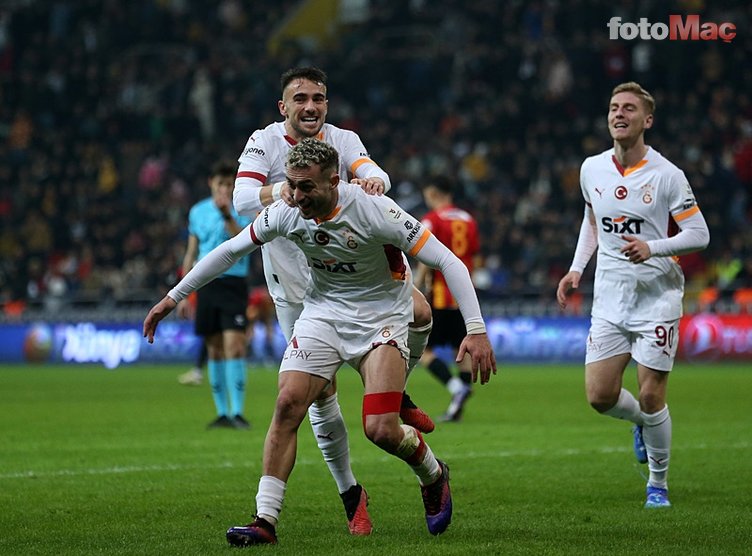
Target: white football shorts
652, 344
320, 348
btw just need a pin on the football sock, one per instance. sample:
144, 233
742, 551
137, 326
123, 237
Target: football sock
440, 370
467, 378
455, 385
235, 379
216, 372
417, 339
271, 493
203, 356
331, 436
418, 455
656, 433
627, 407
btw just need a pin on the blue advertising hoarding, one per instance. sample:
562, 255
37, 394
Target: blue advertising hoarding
520, 339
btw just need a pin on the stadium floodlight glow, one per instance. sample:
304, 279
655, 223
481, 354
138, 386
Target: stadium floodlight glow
678, 29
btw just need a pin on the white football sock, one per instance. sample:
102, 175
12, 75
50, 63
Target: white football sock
455, 385
331, 436
271, 493
627, 407
656, 433
419, 456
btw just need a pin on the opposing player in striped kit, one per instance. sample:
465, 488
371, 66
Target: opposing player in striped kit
632, 196
458, 230
260, 181
356, 311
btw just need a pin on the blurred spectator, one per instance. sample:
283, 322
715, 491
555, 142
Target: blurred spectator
108, 110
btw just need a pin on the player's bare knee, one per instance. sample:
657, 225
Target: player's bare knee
602, 402
328, 392
290, 408
236, 352
385, 433
380, 419
601, 407
651, 402
602, 397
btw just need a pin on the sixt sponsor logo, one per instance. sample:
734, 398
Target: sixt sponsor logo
331, 265
622, 225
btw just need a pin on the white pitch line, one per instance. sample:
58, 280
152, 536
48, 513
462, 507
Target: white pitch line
29, 474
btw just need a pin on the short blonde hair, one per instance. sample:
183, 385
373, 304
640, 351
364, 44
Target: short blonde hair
311, 152
636, 89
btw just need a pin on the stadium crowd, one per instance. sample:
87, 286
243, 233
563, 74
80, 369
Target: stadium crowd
111, 114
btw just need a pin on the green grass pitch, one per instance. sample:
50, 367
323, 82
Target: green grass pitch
120, 462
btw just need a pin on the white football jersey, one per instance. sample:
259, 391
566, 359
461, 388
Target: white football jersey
263, 162
639, 202
358, 271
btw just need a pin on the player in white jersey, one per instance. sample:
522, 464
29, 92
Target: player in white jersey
356, 310
304, 108
632, 194
285, 267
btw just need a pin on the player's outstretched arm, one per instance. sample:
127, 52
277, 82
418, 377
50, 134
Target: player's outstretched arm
481, 354
215, 263
435, 254
156, 314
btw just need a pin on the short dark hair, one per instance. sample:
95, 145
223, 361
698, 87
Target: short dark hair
442, 183
311, 73
310, 152
223, 168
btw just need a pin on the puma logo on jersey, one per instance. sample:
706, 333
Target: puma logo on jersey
622, 225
